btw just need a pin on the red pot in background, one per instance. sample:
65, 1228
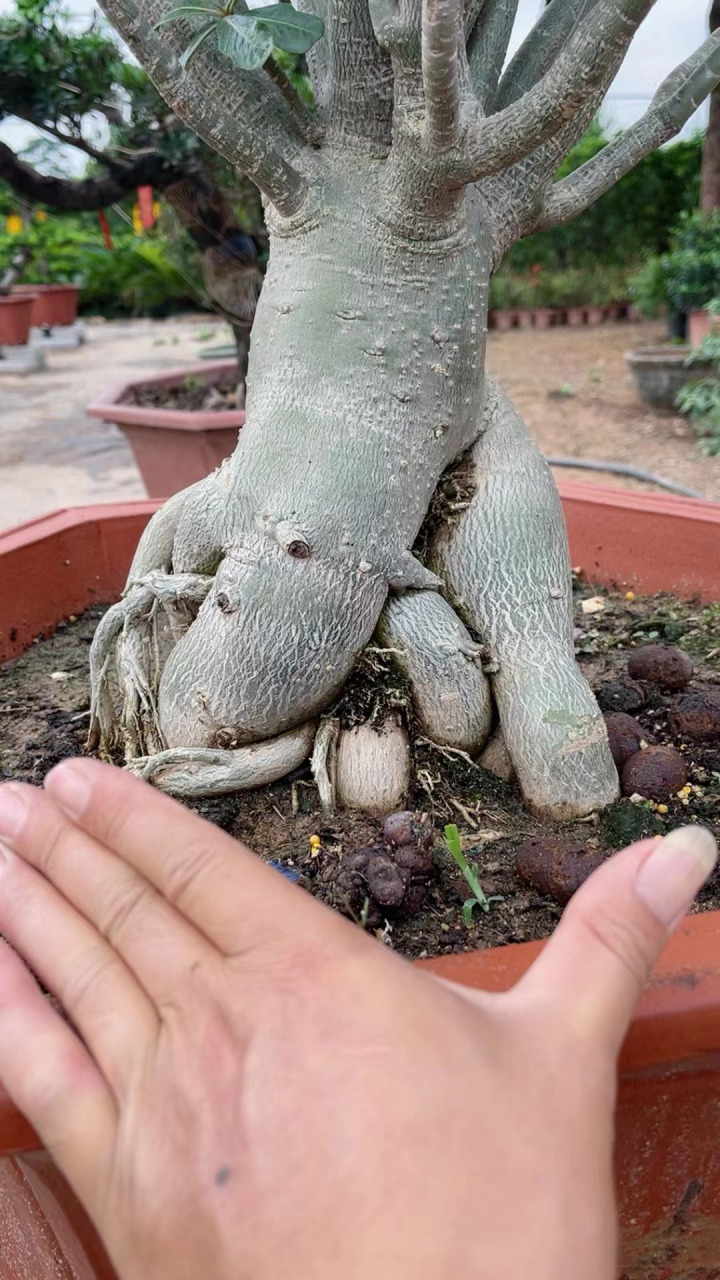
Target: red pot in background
668, 1133
55, 304
543, 317
15, 320
595, 315
172, 447
524, 319
575, 316
699, 324
504, 320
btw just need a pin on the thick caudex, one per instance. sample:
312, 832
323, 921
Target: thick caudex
253, 594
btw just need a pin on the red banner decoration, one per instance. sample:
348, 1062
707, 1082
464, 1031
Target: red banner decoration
105, 228
145, 205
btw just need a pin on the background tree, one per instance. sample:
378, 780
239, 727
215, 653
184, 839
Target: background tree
710, 185
58, 79
387, 211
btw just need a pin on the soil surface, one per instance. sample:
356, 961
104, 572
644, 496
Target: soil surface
194, 396
44, 716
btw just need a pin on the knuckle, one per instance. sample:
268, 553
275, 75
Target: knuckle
123, 909
186, 873
86, 981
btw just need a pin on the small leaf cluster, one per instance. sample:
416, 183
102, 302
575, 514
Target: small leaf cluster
701, 400
247, 37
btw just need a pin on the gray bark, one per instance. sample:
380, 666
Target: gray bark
253, 594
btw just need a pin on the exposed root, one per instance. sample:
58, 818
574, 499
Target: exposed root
126, 643
323, 762
200, 771
373, 767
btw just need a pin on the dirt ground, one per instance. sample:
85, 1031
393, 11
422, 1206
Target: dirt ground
572, 385
574, 390
44, 717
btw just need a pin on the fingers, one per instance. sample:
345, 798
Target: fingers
52, 1079
597, 962
103, 999
157, 945
218, 884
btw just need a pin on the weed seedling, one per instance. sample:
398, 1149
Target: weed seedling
479, 898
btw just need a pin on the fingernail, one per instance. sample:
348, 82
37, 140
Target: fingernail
13, 811
669, 879
68, 785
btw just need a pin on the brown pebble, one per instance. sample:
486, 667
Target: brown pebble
417, 861
621, 695
407, 828
625, 736
386, 882
655, 774
661, 664
414, 899
696, 716
556, 867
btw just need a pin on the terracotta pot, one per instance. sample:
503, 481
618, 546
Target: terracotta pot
699, 323
575, 316
524, 319
172, 447
15, 320
55, 304
544, 317
595, 315
659, 373
504, 320
668, 1142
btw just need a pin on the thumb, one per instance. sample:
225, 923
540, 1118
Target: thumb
600, 956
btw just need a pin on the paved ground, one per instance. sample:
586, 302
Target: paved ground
51, 454
572, 386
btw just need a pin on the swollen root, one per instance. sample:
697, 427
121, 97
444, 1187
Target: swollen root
126, 647
189, 772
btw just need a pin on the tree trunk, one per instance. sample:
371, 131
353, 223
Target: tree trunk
710, 179
366, 382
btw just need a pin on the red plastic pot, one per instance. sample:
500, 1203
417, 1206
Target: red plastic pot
55, 304
575, 316
543, 317
699, 324
172, 447
668, 1142
15, 320
504, 320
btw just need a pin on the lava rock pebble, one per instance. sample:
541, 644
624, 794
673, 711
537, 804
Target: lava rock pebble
696, 716
625, 736
556, 867
661, 664
621, 695
417, 861
655, 774
385, 881
407, 828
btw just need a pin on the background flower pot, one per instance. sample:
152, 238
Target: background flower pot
699, 323
55, 304
575, 316
660, 372
172, 447
543, 317
15, 320
668, 1149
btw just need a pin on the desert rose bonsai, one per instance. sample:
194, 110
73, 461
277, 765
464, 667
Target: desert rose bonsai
388, 210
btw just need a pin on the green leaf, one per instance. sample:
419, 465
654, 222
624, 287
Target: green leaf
467, 911
292, 31
244, 42
181, 10
195, 43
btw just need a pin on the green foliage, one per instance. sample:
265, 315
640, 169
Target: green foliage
701, 400
573, 287
479, 898
634, 218
148, 275
648, 287
248, 36
692, 268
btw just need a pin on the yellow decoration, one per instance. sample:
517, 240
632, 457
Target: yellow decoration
662, 808
156, 209
629, 595
13, 224
40, 215
138, 227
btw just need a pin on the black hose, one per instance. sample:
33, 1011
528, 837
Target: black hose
624, 469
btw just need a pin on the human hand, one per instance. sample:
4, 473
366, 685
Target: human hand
259, 1089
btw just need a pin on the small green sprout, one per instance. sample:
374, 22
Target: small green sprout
479, 898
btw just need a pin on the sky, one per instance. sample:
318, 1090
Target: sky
670, 33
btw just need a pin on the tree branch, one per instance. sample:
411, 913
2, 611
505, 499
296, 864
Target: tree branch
240, 114
487, 47
540, 48
675, 101
441, 73
351, 73
88, 193
596, 43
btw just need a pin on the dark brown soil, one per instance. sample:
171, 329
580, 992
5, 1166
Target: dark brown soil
43, 714
193, 396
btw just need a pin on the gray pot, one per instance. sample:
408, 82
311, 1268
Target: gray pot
660, 372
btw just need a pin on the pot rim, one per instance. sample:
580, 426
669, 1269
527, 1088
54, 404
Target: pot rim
677, 1019
108, 404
